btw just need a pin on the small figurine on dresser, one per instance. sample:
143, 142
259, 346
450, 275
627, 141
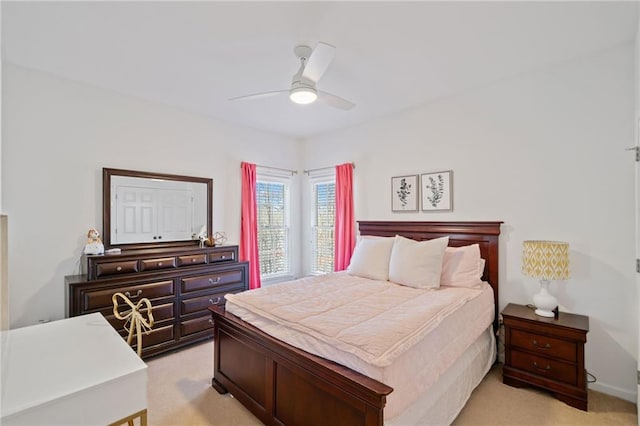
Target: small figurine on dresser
94, 243
202, 235
219, 238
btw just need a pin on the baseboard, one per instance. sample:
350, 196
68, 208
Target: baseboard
625, 394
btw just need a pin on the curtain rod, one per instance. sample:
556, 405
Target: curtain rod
325, 168
293, 172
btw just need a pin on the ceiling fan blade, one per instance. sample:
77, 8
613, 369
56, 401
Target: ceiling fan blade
259, 95
335, 101
318, 62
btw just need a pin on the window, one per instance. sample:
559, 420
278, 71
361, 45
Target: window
323, 219
273, 226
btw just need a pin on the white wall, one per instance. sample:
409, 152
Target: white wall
544, 153
57, 137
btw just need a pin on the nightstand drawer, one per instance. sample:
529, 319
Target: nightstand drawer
544, 367
544, 345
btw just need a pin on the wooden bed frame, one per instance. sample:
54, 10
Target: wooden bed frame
283, 385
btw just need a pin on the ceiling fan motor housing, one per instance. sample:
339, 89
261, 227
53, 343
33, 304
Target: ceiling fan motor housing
303, 91
299, 82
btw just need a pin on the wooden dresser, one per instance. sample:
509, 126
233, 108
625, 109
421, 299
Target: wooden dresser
180, 282
546, 352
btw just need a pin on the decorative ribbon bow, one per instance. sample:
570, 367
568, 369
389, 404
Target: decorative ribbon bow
134, 318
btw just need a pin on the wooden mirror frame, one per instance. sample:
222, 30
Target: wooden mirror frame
106, 207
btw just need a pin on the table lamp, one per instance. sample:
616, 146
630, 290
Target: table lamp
546, 260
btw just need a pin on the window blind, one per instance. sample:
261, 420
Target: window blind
325, 211
272, 228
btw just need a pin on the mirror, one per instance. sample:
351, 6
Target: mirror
151, 210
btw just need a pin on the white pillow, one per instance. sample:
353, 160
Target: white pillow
417, 263
461, 266
370, 258
481, 268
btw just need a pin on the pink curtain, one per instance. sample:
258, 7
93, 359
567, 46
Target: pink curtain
249, 224
345, 236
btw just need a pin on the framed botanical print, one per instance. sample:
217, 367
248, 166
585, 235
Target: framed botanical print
404, 193
437, 191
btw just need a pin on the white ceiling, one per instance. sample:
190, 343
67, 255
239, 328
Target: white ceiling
390, 56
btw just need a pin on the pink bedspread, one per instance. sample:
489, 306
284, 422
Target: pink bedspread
377, 321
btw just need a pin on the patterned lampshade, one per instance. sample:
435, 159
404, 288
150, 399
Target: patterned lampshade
547, 260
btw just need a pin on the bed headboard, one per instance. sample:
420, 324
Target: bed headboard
485, 234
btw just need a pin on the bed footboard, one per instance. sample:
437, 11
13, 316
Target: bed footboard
282, 385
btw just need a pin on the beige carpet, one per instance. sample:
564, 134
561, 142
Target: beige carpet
180, 394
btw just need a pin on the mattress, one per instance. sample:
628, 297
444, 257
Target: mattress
450, 393
401, 336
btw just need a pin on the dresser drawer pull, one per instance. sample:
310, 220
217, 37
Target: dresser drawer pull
215, 302
210, 321
193, 260
119, 268
126, 293
545, 347
543, 370
159, 263
212, 281
223, 257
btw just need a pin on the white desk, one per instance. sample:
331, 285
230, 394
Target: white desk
76, 371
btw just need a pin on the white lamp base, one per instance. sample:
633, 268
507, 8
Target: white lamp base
544, 313
545, 302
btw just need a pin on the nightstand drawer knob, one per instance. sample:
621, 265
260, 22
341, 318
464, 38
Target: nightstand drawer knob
545, 347
544, 370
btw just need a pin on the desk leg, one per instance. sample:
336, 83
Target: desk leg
130, 420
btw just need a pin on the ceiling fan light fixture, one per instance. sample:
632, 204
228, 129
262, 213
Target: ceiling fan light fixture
303, 95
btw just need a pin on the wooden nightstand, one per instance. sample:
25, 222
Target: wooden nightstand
547, 353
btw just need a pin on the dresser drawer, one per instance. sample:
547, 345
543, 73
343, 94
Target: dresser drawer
195, 304
114, 268
160, 263
192, 259
545, 345
155, 337
196, 325
544, 367
222, 256
160, 313
96, 299
203, 282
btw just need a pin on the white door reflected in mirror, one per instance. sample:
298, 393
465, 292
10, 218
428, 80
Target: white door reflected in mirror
155, 210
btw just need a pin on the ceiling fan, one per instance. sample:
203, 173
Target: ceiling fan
313, 64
